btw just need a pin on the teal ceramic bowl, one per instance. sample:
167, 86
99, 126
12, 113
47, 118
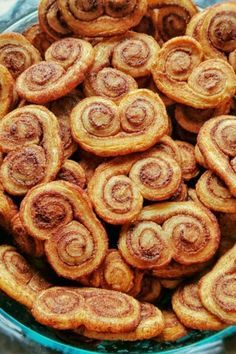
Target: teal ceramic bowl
19, 322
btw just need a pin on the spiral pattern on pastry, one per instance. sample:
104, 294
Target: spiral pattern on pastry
38, 38
51, 20
17, 54
67, 62
135, 54
6, 91
24, 242
232, 59
72, 172
180, 73
173, 329
68, 308
188, 160
151, 324
213, 193
171, 17
217, 143
175, 270
151, 289
30, 136
102, 18
188, 307
144, 245
62, 109
194, 25
192, 119
217, 288
7, 210
17, 277
217, 32
104, 129
169, 146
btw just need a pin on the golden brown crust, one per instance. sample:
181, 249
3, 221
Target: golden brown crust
188, 307
173, 329
72, 172
232, 59
101, 127
200, 158
51, 20
38, 38
181, 74
194, 26
171, 17
67, 62
18, 279
17, 53
23, 241
69, 308
151, 324
188, 160
216, 143
7, 210
7, 91
151, 289
30, 136
102, 18
217, 288
213, 193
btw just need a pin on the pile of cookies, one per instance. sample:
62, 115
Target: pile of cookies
118, 167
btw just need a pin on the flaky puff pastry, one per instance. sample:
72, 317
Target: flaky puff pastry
188, 160
151, 324
188, 307
118, 187
182, 231
67, 62
30, 137
71, 171
101, 127
17, 53
173, 329
213, 193
181, 74
150, 290
171, 17
102, 17
216, 141
69, 308
232, 59
217, 288
7, 210
18, 279
7, 92
38, 38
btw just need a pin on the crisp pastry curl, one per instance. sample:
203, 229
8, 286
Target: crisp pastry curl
69, 308
7, 91
199, 157
38, 38
181, 74
118, 187
151, 289
171, 17
113, 274
213, 193
151, 324
17, 53
170, 147
188, 307
217, 288
194, 26
181, 195
175, 270
62, 109
182, 231
51, 20
18, 279
217, 31
173, 329
67, 62
105, 129
30, 136
7, 210
232, 59
192, 119
217, 143
23, 241
188, 160
72, 172
102, 17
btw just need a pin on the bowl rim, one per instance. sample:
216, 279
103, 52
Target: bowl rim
45, 341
